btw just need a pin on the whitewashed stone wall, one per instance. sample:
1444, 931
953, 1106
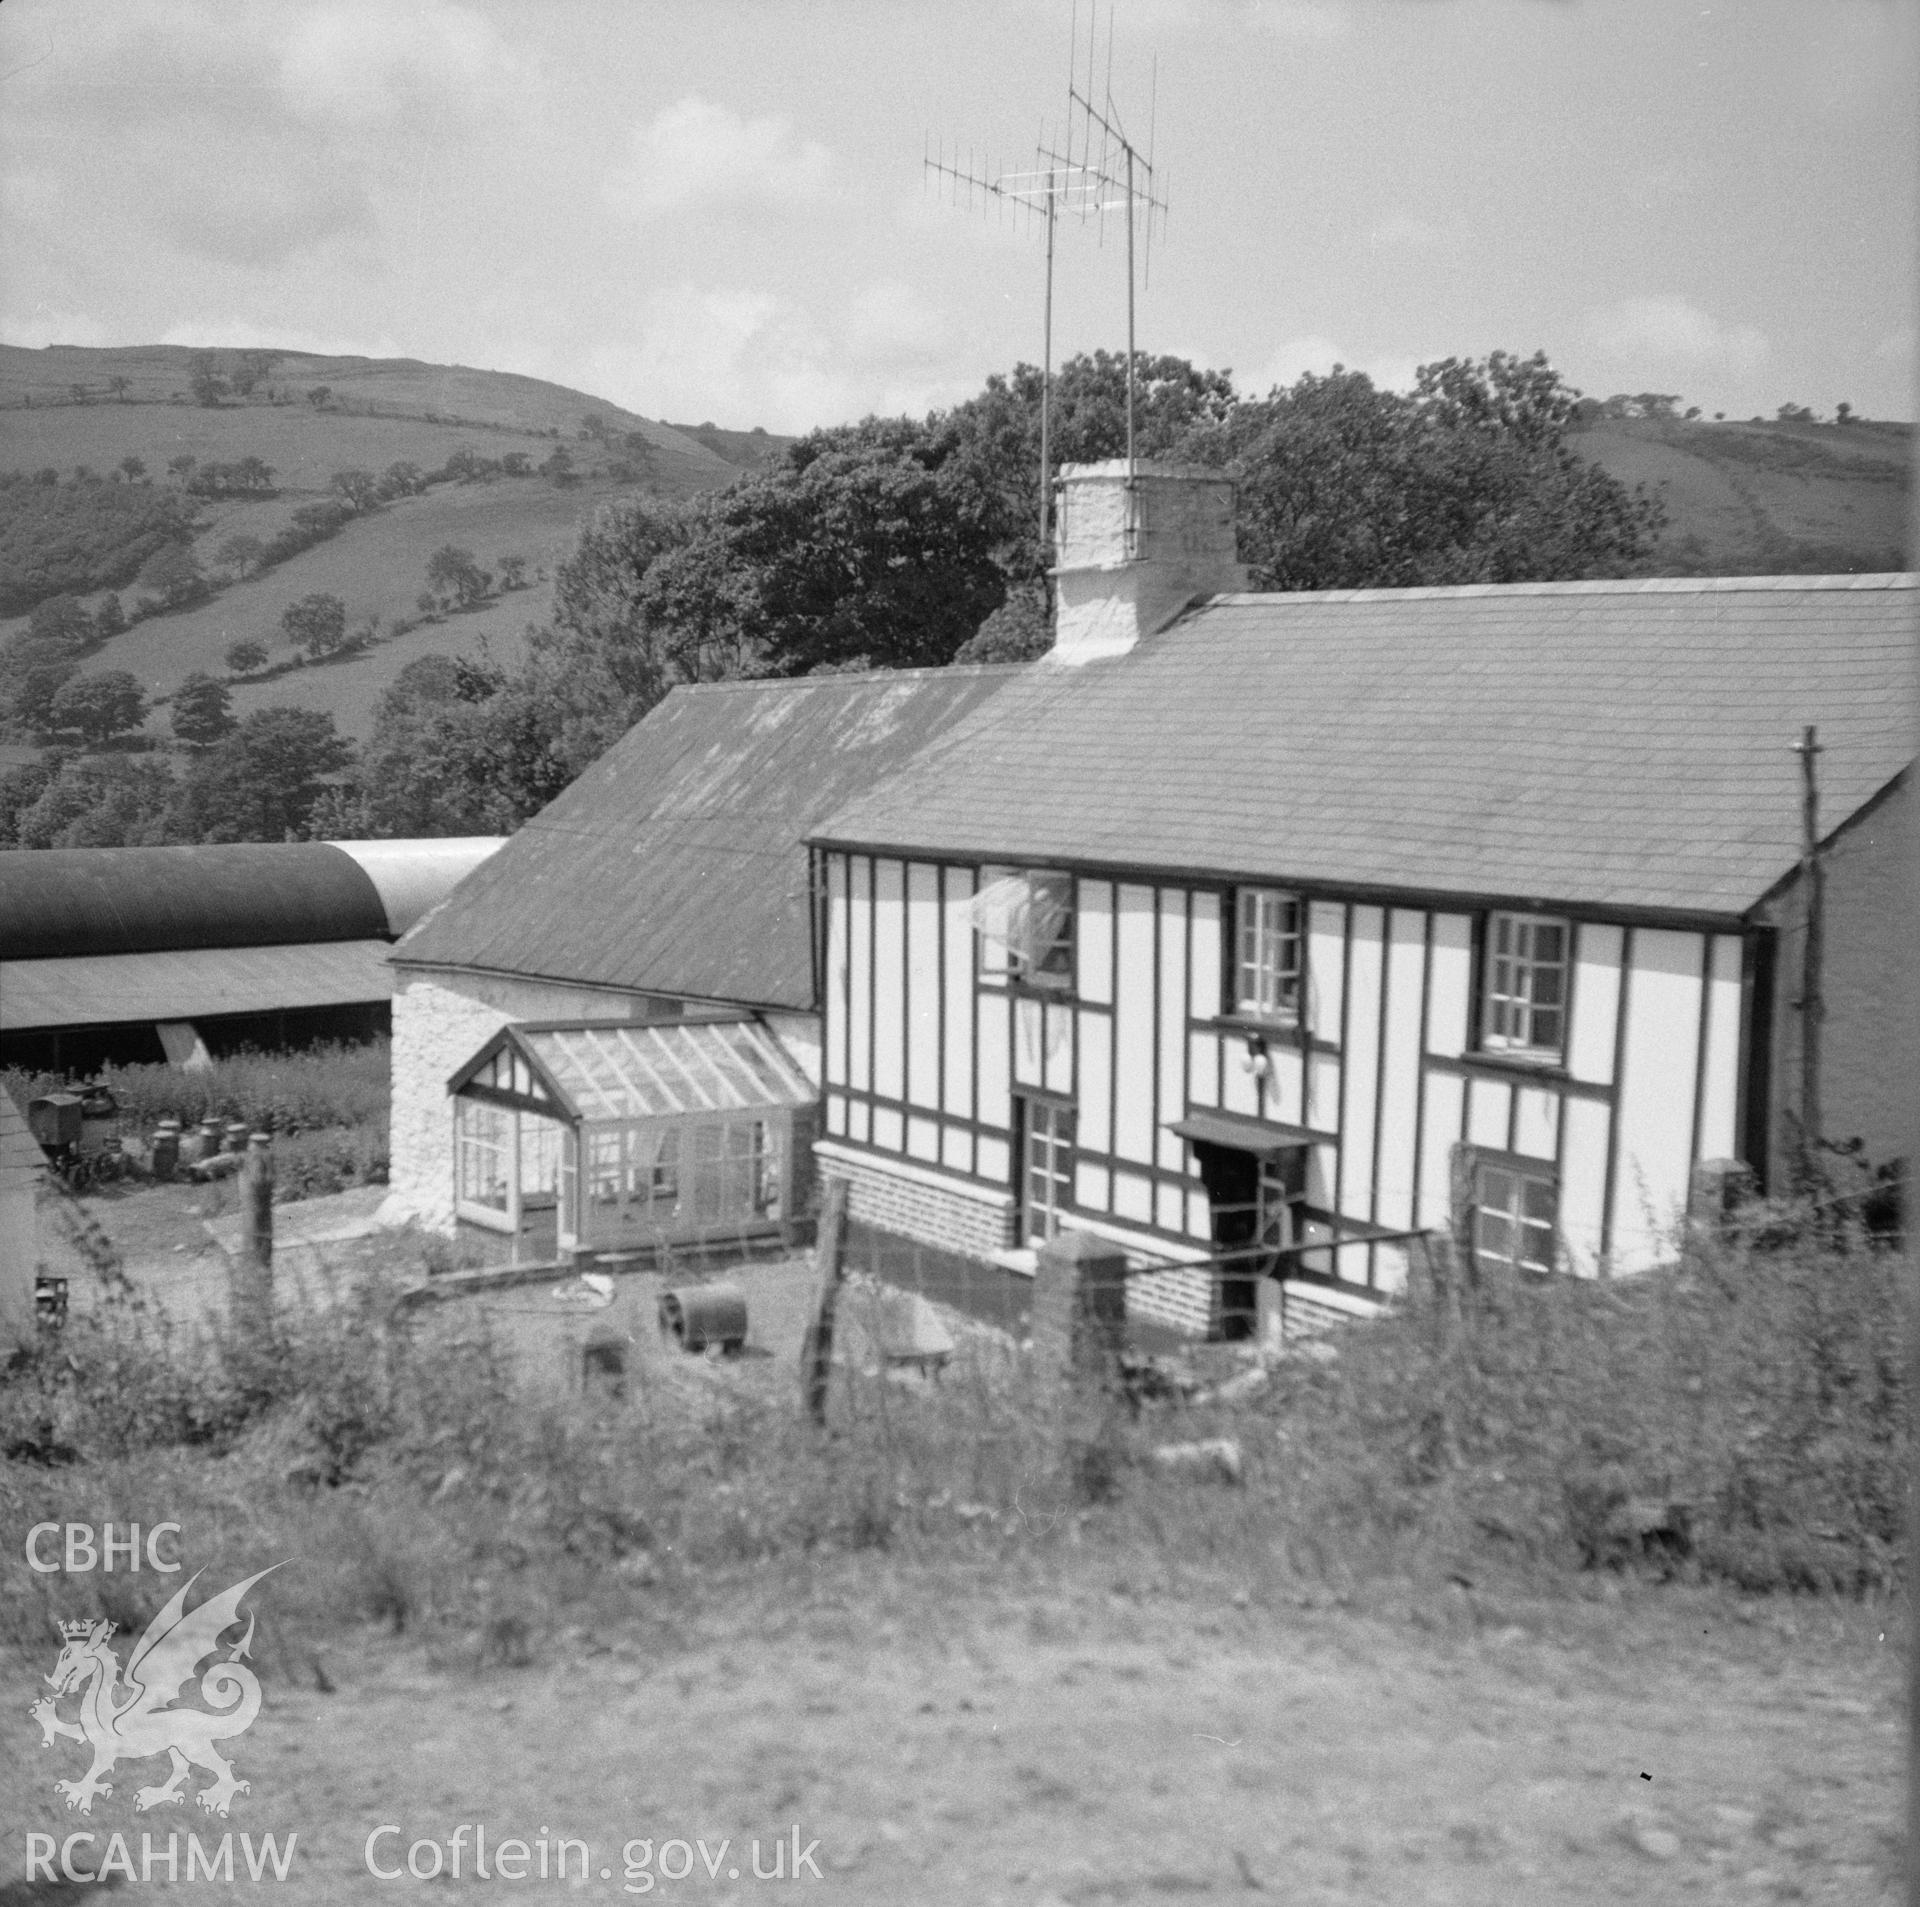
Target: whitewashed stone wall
439, 1023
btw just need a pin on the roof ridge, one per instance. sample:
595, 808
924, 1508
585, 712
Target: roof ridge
946, 672
1601, 586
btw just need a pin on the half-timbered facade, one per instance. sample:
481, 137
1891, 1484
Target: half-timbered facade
1306, 923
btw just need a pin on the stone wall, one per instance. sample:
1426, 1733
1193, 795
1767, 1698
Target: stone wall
440, 1020
918, 1204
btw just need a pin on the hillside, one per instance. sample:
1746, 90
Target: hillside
65, 407
1764, 498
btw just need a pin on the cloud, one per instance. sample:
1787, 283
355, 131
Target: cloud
1402, 232
1642, 337
746, 356
43, 325
1303, 19
363, 61
695, 153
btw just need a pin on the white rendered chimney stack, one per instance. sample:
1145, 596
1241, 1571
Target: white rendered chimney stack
1129, 557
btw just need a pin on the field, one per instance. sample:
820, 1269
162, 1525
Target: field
377, 414
1753, 499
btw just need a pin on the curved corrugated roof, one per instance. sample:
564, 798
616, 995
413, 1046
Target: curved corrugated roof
60, 902
413, 876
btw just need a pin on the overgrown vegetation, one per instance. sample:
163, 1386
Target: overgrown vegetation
80, 535
326, 1106
1486, 1433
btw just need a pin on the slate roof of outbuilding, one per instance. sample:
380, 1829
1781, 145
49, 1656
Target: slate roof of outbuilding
677, 863
1619, 745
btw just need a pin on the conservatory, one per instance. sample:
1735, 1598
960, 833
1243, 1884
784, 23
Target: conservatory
607, 1139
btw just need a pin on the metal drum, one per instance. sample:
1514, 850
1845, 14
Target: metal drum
698, 1316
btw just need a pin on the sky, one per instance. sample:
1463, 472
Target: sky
719, 209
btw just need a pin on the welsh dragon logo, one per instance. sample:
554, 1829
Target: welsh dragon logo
129, 1714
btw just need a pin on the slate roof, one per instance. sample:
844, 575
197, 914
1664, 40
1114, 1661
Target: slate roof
677, 863
1620, 745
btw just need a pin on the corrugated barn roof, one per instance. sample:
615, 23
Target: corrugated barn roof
677, 863
63, 902
1624, 745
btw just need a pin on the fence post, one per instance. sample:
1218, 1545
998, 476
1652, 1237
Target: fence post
252, 1280
830, 1259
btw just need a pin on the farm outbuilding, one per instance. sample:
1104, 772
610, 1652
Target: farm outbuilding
133, 954
603, 1140
668, 888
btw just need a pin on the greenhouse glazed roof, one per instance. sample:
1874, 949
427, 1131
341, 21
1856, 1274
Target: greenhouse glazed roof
595, 1072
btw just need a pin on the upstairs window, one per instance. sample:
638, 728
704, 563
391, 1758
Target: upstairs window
1031, 916
1267, 954
1526, 994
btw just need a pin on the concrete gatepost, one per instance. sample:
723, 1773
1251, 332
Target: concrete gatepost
251, 1279
1079, 1309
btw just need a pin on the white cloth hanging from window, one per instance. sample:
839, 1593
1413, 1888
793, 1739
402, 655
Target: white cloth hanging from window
1024, 913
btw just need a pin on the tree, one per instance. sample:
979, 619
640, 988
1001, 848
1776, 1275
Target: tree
876, 540
109, 619
516, 463
205, 380
319, 396
180, 468
35, 686
403, 479
133, 469
559, 468
173, 577
119, 385
77, 801
513, 571
454, 571
361, 488
242, 555
317, 623
100, 706
247, 656
261, 782
202, 710
249, 368
79, 393
61, 623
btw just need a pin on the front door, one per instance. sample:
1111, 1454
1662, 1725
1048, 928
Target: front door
1251, 1198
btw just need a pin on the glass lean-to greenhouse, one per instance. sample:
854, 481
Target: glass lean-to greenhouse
604, 1138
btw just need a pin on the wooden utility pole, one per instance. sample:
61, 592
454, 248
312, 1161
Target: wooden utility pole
830, 1258
1813, 951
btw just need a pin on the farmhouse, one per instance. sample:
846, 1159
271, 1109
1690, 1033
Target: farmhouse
1287, 926
132, 954
607, 1039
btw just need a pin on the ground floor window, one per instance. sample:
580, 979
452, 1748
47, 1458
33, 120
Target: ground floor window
1046, 1169
1514, 1215
483, 1154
